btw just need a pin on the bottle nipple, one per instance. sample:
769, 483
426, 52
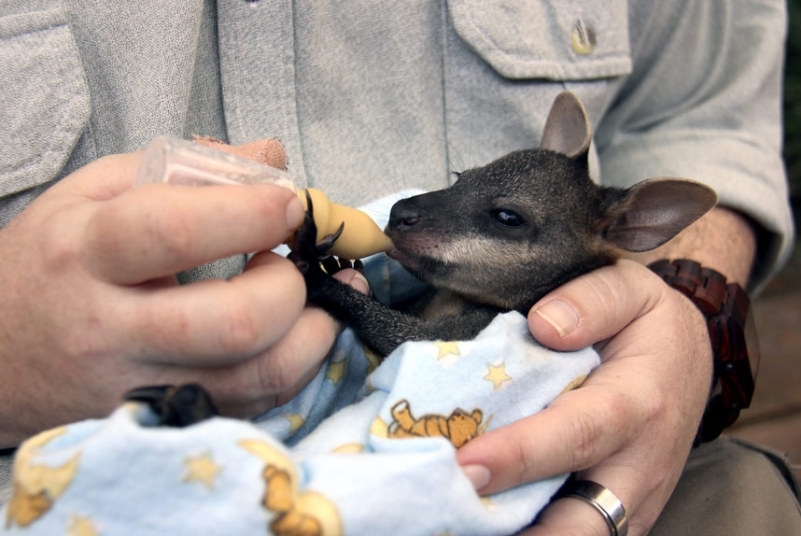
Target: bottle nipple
360, 236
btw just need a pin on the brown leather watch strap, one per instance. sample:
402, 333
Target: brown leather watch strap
736, 357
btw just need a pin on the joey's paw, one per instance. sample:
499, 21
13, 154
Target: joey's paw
307, 253
176, 406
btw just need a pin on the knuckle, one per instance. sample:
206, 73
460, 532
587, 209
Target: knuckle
275, 380
280, 373
86, 338
275, 375
60, 246
173, 231
606, 294
520, 459
656, 409
79, 346
585, 433
618, 404
240, 331
593, 437
629, 418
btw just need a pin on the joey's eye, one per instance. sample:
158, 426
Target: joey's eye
508, 218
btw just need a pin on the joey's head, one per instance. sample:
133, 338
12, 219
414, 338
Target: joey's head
507, 233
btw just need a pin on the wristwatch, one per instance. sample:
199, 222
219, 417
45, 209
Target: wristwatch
726, 307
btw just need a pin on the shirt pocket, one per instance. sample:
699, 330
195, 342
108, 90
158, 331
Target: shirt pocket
46, 104
547, 39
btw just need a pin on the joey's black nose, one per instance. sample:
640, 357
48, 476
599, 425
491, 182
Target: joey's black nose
402, 218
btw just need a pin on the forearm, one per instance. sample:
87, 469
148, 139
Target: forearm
723, 240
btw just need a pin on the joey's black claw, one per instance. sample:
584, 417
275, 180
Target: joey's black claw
338, 233
328, 240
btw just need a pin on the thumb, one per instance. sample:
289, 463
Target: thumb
595, 306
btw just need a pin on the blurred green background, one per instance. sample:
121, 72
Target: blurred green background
792, 103
789, 279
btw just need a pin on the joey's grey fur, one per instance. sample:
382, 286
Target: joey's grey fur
506, 234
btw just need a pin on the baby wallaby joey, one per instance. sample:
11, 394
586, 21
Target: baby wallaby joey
504, 235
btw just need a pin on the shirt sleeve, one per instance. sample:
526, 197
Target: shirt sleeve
704, 102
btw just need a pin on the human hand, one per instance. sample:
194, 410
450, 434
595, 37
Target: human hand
631, 425
91, 307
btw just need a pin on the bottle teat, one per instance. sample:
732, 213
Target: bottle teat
360, 236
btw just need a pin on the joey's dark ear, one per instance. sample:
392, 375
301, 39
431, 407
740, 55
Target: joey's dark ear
567, 129
654, 211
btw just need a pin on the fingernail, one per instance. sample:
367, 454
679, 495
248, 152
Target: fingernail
294, 213
357, 281
559, 314
478, 475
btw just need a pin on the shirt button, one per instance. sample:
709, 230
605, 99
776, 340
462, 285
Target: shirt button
582, 38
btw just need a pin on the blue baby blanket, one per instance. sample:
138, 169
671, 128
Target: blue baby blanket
383, 464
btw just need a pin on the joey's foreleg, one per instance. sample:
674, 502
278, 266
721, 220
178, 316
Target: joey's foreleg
383, 329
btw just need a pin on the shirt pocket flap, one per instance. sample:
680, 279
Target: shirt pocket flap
46, 103
548, 39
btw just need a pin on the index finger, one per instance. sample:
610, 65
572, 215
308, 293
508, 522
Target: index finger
564, 437
158, 230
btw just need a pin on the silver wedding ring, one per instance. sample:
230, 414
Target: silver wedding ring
602, 500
